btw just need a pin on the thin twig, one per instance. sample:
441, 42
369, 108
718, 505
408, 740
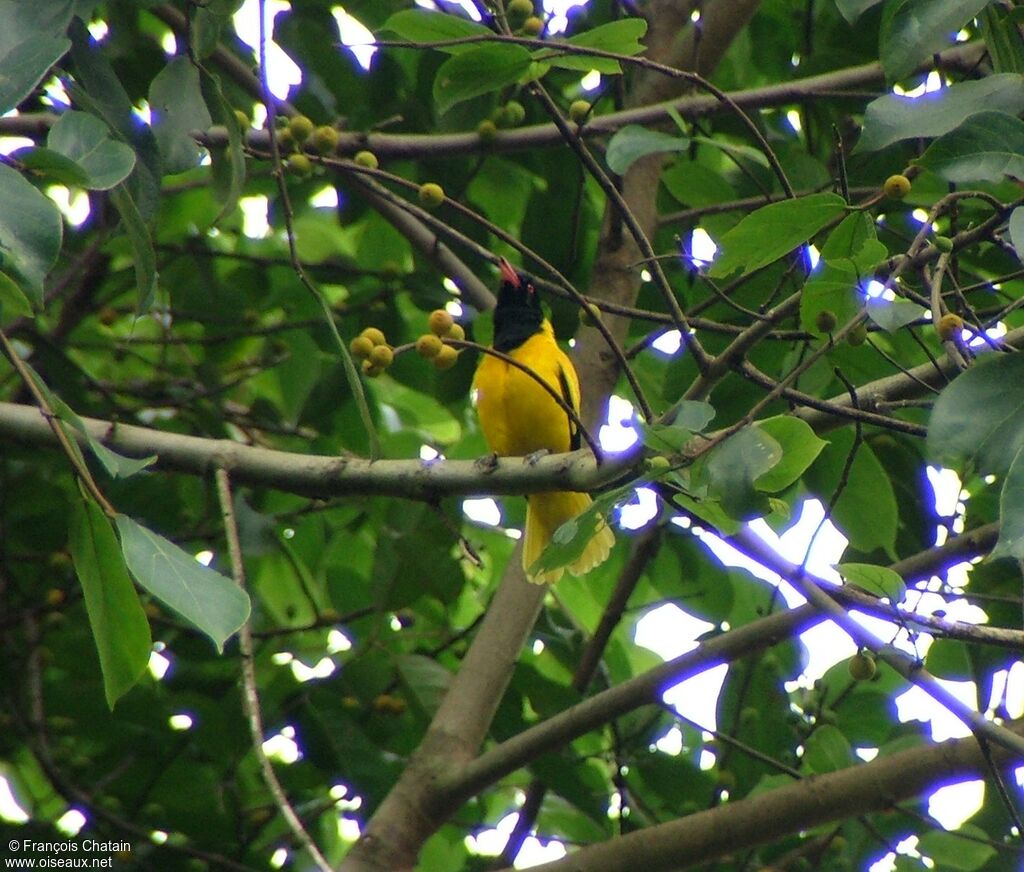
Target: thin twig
67, 446
250, 695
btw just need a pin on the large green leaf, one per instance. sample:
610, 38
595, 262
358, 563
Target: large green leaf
979, 417
913, 30
1016, 228
853, 9
206, 599
1011, 511
425, 26
866, 511
619, 37
851, 250
949, 659
1000, 31
832, 288
142, 246
956, 852
890, 315
877, 580
118, 622
85, 139
987, 147
854, 244
32, 40
426, 680
31, 230
773, 231
178, 110
633, 142
894, 116
799, 447
735, 467
480, 70
827, 750
229, 162
12, 299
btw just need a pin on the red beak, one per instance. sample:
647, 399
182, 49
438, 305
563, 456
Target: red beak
508, 274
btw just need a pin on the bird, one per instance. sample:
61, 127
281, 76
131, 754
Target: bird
519, 418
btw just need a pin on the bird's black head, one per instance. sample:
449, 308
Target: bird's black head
518, 314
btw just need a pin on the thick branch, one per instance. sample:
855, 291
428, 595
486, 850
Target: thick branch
321, 477
418, 145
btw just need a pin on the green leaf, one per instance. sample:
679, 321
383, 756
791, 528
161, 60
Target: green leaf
86, 140
680, 423
694, 184
980, 415
12, 300
1016, 229
950, 851
119, 624
851, 10
422, 25
178, 109
52, 165
425, 679
665, 437
694, 415
228, 163
116, 465
913, 30
32, 40
206, 599
734, 467
832, 288
633, 142
1003, 40
97, 89
619, 37
891, 315
854, 243
877, 580
480, 70
866, 511
31, 230
949, 659
827, 750
895, 117
799, 446
987, 147
741, 152
773, 231
142, 246
1011, 512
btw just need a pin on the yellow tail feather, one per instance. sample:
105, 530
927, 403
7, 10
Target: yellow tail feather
545, 513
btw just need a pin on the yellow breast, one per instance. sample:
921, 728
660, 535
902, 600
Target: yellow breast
517, 415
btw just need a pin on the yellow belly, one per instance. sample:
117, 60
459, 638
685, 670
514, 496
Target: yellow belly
517, 415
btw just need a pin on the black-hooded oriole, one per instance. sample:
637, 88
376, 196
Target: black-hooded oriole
519, 417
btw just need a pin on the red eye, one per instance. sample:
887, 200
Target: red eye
530, 289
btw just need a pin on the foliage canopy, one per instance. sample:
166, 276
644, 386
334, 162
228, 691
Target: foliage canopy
180, 380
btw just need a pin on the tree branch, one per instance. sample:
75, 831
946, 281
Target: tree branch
321, 476
708, 835
646, 689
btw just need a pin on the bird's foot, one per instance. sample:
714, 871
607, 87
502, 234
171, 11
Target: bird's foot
532, 459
